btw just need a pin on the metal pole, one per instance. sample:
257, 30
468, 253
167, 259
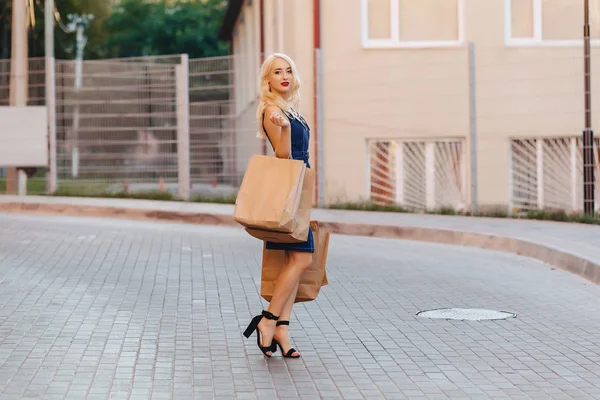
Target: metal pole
320, 130
183, 127
473, 129
49, 28
588, 133
50, 96
80, 43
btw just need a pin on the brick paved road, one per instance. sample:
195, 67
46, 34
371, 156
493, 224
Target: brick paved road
96, 309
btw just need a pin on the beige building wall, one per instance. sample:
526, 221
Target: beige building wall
416, 86
388, 93
399, 69
527, 86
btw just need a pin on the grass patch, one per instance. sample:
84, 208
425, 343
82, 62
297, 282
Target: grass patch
541, 215
368, 206
34, 186
215, 199
101, 192
562, 216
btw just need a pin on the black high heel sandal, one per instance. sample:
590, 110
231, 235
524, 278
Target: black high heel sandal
254, 327
292, 350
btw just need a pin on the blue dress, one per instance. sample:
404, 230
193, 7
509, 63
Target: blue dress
300, 137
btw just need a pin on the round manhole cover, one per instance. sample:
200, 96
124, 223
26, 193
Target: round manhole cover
466, 314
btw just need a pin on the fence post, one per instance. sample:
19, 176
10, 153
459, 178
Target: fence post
430, 175
574, 174
183, 127
51, 177
400, 173
540, 173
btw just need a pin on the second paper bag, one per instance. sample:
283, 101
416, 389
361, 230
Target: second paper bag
311, 280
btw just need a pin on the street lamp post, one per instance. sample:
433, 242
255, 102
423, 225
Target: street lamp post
78, 23
588, 133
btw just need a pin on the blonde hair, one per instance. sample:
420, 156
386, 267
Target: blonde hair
268, 98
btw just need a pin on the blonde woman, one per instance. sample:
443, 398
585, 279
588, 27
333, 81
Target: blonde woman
280, 122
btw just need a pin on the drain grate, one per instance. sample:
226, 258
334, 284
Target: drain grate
466, 314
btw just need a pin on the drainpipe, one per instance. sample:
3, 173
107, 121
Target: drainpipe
318, 104
262, 51
232, 110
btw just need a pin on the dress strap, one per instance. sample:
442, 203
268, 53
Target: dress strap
266, 134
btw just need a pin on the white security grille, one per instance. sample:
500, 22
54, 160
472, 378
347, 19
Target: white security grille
382, 171
548, 174
420, 175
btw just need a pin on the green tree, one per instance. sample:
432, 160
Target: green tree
64, 41
160, 27
5, 22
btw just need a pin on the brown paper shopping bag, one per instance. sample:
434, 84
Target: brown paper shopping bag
300, 232
269, 195
311, 280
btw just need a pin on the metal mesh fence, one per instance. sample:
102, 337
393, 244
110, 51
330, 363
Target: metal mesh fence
211, 122
4, 82
222, 136
36, 82
116, 125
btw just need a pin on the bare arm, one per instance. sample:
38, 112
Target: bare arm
278, 129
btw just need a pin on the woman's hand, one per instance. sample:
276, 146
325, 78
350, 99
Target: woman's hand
279, 120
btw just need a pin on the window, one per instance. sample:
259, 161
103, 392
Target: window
549, 22
412, 23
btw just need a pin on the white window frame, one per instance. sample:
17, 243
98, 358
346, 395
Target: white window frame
395, 42
538, 37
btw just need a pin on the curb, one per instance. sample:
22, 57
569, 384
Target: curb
557, 258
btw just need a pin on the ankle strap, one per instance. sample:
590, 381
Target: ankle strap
269, 315
282, 323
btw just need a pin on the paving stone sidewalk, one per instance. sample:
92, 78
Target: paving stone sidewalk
97, 308
578, 239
